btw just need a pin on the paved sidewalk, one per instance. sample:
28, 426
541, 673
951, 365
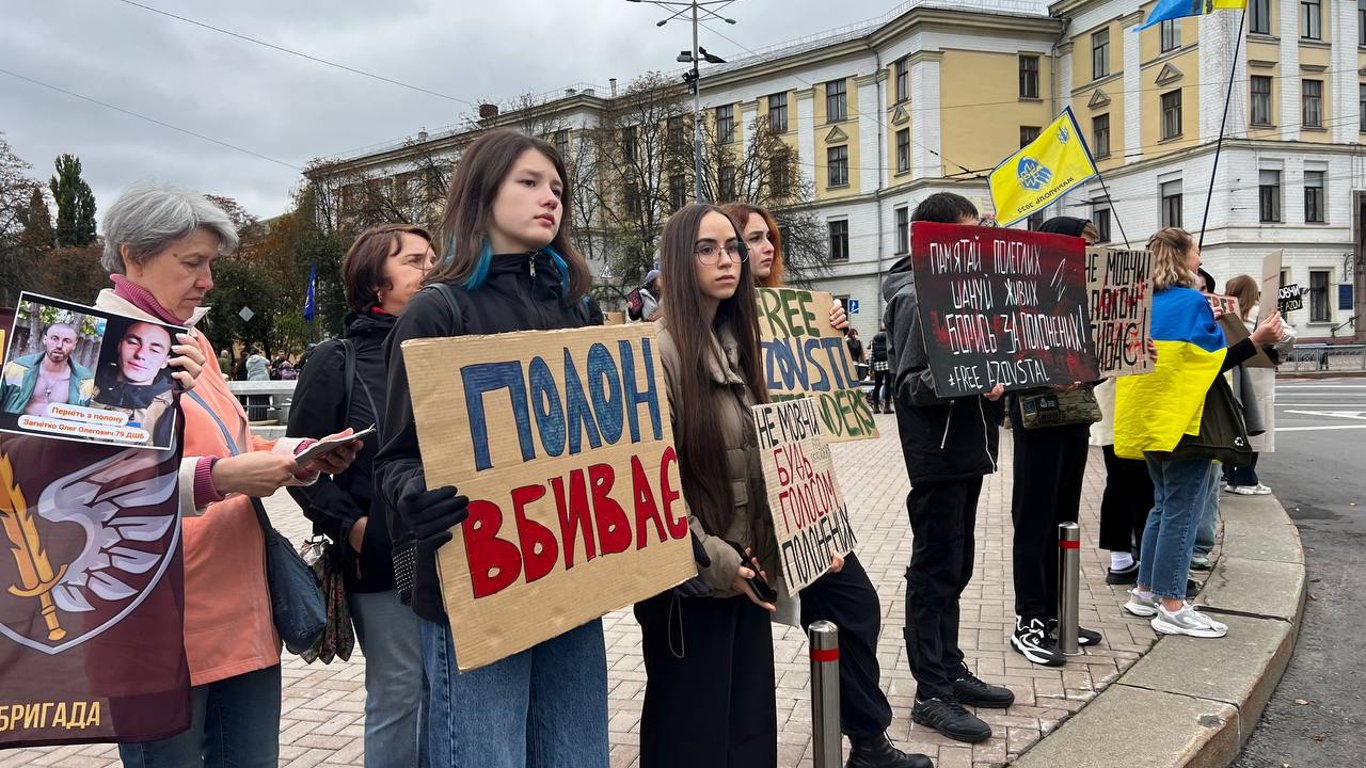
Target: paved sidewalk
323, 708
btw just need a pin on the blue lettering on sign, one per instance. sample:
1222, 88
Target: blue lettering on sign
545, 396
605, 387
487, 377
634, 397
796, 364
580, 416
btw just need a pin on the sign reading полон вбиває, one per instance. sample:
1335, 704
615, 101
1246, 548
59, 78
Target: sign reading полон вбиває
1002, 306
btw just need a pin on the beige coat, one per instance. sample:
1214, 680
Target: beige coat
752, 525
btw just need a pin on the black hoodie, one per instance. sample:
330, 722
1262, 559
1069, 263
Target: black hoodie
523, 292
943, 439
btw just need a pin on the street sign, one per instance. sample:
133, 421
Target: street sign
246, 314
852, 306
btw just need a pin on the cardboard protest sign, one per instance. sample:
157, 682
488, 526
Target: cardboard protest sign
1271, 283
91, 594
1121, 307
1290, 298
804, 356
562, 442
1235, 330
1002, 306
73, 372
810, 517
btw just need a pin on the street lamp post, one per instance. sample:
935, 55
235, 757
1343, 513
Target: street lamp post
696, 56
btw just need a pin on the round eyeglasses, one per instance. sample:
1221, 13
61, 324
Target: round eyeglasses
709, 253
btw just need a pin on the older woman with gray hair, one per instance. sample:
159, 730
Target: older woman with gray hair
161, 243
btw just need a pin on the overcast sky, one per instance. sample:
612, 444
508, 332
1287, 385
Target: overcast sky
292, 110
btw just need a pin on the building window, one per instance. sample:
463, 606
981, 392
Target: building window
1319, 311
839, 240
562, 143
1171, 203
725, 124
778, 178
1171, 114
903, 230
1313, 197
1261, 100
1361, 23
678, 192
726, 179
837, 166
674, 133
1029, 77
777, 112
1171, 34
1311, 103
1100, 54
1311, 20
903, 150
628, 143
1034, 221
1269, 196
903, 80
1101, 218
632, 195
1100, 135
836, 104
1259, 16
1028, 133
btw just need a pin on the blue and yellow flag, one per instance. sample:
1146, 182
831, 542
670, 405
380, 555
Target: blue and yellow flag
1165, 10
1035, 177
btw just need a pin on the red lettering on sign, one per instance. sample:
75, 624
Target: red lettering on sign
646, 509
539, 550
678, 524
575, 520
494, 562
614, 530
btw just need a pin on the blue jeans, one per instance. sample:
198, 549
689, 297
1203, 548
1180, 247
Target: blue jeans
1209, 516
234, 723
390, 635
542, 708
1180, 491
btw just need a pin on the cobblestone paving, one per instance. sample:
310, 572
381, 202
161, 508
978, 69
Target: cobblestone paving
323, 712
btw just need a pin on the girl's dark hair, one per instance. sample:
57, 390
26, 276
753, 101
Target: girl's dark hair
702, 466
363, 266
741, 212
463, 248
945, 208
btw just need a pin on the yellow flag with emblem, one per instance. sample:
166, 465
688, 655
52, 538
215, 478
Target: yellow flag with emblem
1035, 177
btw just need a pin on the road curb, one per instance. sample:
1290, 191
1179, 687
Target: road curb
1191, 702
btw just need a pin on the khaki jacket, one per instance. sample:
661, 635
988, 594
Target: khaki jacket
752, 525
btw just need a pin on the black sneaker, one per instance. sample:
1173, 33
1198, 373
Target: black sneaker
1123, 576
1085, 637
1193, 588
878, 752
968, 689
1031, 641
949, 718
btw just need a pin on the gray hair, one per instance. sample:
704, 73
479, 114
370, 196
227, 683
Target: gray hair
148, 216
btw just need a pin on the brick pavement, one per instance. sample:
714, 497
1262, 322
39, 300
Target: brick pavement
323, 710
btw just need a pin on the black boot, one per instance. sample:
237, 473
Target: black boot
878, 752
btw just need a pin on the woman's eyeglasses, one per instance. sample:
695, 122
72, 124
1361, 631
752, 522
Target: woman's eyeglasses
709, 253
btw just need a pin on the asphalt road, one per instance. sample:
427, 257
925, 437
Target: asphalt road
1319, 473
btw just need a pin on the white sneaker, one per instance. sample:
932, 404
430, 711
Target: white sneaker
1139, 605
1244, 490
1187, 621
1261, 490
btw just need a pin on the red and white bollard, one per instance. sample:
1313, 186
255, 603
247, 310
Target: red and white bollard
826, 747
1069, 582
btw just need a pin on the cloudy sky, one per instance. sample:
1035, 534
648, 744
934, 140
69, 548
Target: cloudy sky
289, 110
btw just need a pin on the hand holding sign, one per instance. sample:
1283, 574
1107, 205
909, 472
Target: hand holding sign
1270, 330
431, 514
188, 361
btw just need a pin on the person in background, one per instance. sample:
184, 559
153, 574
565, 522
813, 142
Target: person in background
508, 265
381, 271
1127, 497
1153, 411
224, 360
1050, 462
847, 597
856, 353
258, 368
160, 244
882, 376
650, 295
949, 444
1244, 480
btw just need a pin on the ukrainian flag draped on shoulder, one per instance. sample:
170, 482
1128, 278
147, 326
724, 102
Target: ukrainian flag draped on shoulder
1166, 10
1153, 410
1035, 177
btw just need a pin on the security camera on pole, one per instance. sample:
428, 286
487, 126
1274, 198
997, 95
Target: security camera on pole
696, 56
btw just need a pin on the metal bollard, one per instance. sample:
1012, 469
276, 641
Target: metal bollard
1069, 577
826, 747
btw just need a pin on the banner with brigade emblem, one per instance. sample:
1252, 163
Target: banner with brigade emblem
91, 594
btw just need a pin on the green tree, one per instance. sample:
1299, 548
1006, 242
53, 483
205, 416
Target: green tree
16, 261
75, 203
38, 234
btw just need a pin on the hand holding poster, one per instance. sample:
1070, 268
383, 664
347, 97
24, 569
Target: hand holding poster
804, 356
1002, 306
1121, 308
810, 518
562, 442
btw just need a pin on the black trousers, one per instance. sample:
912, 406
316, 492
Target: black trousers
849, 600
1049, 466
882, 387
710, 689
1124, 507
943, 516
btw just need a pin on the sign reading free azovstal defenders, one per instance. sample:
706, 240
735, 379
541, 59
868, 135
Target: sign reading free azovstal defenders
562, 442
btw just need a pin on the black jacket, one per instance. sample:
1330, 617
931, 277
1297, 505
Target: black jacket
319, 409
943, 439
523, 292
878, 349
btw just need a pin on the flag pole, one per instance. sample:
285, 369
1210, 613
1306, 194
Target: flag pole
1101, 178
1223, 122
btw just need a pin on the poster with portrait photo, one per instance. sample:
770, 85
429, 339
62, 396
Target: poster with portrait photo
72, 372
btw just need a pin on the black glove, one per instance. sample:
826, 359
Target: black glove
696, 586
431, 514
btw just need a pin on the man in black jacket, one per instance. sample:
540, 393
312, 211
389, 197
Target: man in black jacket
948, 444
